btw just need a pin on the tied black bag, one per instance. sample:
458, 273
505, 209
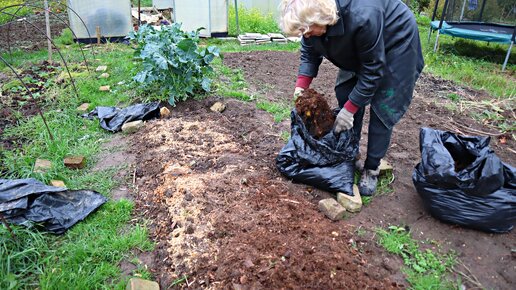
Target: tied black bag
462, 181
327, 163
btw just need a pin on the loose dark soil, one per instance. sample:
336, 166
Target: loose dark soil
315, 113
30, 34
223, 217
16, 102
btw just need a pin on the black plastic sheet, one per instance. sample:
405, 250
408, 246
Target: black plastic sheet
28, 201
462, 181
112, 118
327, 163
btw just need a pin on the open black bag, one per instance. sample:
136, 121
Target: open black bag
56, 209
462, 181
112, 119
327, 164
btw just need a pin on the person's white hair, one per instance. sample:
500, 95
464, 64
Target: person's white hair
298, 15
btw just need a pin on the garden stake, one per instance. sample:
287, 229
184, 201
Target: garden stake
47, 24
31, 95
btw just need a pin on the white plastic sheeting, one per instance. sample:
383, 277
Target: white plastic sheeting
210, 14
113, 17
163, 4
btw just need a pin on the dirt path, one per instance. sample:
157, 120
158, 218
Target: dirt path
222, 216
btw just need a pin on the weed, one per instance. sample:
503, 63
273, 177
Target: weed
279, 111
66, 37
453, 97
285, 136
424, 269
179, 281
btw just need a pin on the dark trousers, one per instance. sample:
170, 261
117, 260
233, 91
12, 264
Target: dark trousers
379, 136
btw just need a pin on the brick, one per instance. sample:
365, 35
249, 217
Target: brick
164, 112
385, 167
57, 183
218, 107
75, 162
350, 203
131, 127
42, 165
141, 284
83, 108
101, 68
105, 88
332, 209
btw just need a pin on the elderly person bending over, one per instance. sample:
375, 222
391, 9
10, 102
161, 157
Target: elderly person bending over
375, 44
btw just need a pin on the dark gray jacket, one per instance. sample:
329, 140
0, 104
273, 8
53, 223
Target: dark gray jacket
378, 40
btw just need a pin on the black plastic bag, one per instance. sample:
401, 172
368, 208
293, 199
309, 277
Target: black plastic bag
462, 181
28, 201
327, 163
112, 119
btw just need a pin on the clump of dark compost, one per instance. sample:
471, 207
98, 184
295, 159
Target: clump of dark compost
315, 113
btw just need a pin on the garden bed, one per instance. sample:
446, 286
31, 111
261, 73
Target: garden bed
222, 216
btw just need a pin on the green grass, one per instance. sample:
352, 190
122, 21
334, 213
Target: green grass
251, 20
88, 255
424, 269
279, 111
5, 17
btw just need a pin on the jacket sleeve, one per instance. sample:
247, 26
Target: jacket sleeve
371, 53
310, 59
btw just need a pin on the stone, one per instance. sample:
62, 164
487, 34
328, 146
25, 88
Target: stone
104, 76
164, 112
42, 165
83, 108
57, 183
104, 88
385, 167
218, 107
75, 162
332, 209
141, 284
101, 68
131, 127
350, 203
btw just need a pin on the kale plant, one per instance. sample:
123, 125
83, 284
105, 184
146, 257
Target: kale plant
173, 63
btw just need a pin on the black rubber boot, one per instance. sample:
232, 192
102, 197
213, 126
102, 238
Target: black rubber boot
368, 182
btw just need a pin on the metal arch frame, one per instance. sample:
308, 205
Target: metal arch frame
31, 95
57, 49
54, 14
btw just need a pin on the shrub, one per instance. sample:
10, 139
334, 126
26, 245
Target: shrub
251, 20
173, 63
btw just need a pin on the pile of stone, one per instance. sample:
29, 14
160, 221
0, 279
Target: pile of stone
258, 38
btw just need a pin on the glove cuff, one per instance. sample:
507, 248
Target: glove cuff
303, 81
350, 107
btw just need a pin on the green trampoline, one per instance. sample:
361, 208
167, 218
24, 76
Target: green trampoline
490, 21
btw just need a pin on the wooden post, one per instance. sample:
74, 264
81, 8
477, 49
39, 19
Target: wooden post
97, 29
47, 24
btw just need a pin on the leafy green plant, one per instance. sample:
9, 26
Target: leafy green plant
425, 269
173, 62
